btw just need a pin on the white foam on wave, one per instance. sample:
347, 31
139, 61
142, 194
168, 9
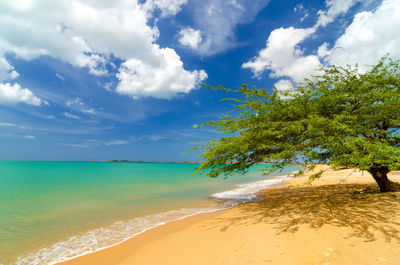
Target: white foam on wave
105, 237
247, 192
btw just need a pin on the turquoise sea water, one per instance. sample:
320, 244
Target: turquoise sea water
53, 211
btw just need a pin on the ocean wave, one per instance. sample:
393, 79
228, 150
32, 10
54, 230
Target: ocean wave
247, 192
105, 237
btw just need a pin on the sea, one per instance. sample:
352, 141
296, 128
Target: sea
55, 211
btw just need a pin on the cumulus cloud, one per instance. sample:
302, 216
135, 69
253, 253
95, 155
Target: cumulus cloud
167, 7
86, 34
190, 37
14, 93
82, 33
139, 79
217, 20
11, 93
283, 57
335, 8
284, 85
13, 74
7, 71
370, 36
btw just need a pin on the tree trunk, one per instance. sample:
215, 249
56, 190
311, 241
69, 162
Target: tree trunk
380, 176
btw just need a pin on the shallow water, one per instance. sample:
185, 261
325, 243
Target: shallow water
52, 211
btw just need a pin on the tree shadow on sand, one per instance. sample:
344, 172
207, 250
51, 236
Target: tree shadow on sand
356, 206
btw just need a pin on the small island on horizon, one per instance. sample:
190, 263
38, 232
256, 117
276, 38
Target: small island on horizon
141, 161
184, 162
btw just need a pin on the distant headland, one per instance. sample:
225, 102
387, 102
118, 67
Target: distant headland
140, 161
184, 162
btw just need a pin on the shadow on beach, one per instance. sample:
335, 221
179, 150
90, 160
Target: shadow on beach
359, 207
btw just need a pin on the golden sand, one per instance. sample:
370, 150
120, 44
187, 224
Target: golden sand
340, 219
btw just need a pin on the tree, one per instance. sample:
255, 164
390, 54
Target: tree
340, 117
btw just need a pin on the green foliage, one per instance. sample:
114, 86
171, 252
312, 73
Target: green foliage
341, 117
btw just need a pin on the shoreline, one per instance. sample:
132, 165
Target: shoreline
213, 198
181, 234
211, 212
138, 211
189, 219
121, 250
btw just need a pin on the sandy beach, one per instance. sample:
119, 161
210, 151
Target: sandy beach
340, 219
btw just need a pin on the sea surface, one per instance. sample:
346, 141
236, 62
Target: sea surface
55, 211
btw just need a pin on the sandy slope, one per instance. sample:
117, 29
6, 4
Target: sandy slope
346, 223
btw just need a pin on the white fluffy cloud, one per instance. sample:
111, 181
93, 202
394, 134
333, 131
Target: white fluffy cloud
284, 85
139, 79
167, 7
13, 93
370, 36
283, 57
86, 34
7, 71
190, 38
82, 33
335, 8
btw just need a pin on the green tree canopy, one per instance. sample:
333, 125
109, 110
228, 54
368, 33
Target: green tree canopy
340, 117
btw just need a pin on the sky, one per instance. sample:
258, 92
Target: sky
100, 80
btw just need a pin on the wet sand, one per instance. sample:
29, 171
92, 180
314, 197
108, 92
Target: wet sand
340, 219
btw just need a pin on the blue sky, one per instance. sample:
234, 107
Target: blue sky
99, 79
